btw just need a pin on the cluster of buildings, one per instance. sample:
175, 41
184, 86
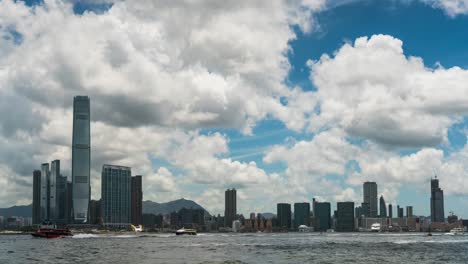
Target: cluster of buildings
59, 201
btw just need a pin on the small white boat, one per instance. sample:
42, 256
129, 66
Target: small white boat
138, 228
457, 231
375, 227
305, 229
184, 231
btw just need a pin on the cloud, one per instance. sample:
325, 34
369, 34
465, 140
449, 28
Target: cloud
451, 7
373, 91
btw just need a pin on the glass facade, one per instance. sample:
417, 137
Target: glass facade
45, 203
116, 195
437, 202
370, 197
36, 214
322, 216
345, 217
230, 207
301, 214
53, 201
81, 158
284, 215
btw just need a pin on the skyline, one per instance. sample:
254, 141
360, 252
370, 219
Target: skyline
285, 106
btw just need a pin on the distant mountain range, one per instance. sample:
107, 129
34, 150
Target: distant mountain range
149, 207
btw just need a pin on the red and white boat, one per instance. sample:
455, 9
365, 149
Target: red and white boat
51, 231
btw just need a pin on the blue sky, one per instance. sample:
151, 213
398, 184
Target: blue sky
289, 104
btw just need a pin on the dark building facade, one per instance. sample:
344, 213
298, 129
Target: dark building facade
322, 216
283, 215
230, 207
301, 214
399, 211
383, 207
409, 211
137, 200
437, 202
152, 220
36, 206
390, 211
69, 203
116, 197
81, 158
345, 217
95, 215
45, 192
370, 197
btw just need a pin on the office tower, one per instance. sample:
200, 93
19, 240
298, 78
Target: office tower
137, 200
81, 158
301, 214
390, 210
69, 203
116, 196
61, 201
283, 214
45, 202
322, 216
54, 174
358, 212
370, 197
313, 206
409, 211
383, 207
95, 212
399, 211
36, 206
230, 207
345, 217
365, 209
437, 202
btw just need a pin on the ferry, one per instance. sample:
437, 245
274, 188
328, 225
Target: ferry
49, 230
457, 231
138, 228
375, 227
184, 231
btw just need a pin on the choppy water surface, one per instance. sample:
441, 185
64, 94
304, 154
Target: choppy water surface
237, 248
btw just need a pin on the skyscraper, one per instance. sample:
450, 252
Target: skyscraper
383, 207
45, 202
322, 216
137, 200
61, 201
345, 217
230, 207
437, 202
390, 210
409, 211
283, 214
36, 207
54, 174
399, 211
81, 158
116, 197
370, 197
301, 214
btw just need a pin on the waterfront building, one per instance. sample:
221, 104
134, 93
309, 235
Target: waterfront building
36, 205
370, 197
390, 211
137, 200
322, 216
345, 217
45, 202
437, 202
230, 207
69, 203
383, 207
95, 215
399, 211
301, 214
81, 158
115, 193
409, 211
52, 196
365, 209
283, 214
61, 190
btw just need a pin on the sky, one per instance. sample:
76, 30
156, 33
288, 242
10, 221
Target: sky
282, 100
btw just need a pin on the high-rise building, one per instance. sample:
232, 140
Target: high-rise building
230, 207
370, 197
283, 214
383, 207
69, 203
301, 214
36, 207
390, 210
437, 202
45, 191
322, 216
365, 209
137, 200
399, 211
409, 211
95, 215
345, 217
116, 197
53, 199
81, 158
61, 201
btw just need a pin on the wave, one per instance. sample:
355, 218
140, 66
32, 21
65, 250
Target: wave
85, 236
445, 241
